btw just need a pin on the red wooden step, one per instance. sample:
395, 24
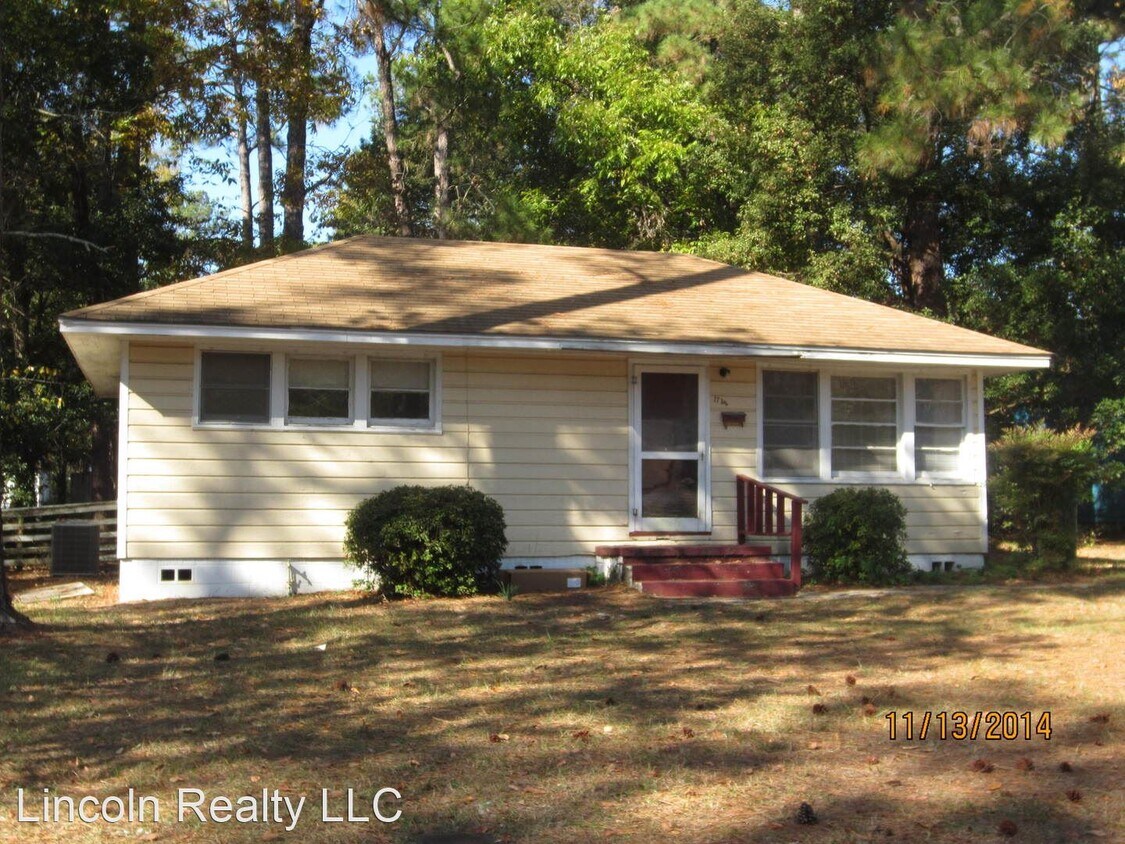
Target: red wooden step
718, 588
692, 570
707, 552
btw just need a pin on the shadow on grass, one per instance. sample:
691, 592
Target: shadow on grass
525, 701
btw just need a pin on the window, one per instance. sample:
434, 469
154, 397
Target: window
864, 424
319, 390
234, 387
402, 392
790, 428
939, 425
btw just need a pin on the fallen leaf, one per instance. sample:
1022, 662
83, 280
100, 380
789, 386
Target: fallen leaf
688, 732
819, 709
255, 778
812, 690
1024, 764
1065, 767
581, 734
869, 709
1007, 827
496, 738
850, 680
1074, 795
1100, 718
982, 766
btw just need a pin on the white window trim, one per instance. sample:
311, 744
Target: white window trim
433, 424
360, 392
906, 474
826, 427
322, 421
197, 420
962, 471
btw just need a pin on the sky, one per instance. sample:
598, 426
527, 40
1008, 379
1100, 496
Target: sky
345, 133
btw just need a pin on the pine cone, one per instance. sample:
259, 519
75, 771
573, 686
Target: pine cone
806, 815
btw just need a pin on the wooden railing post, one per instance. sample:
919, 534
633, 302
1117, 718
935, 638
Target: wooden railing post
795, 545
740, 498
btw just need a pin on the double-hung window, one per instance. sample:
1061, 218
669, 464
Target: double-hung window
939, 425
319, 391
402, 392
823, 425
234, 387
790, 424
864, 425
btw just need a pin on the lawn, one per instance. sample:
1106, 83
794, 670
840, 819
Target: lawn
599, 716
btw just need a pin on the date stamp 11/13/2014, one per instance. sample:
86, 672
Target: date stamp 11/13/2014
971, 726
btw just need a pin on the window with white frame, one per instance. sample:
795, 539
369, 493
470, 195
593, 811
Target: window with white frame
319, 390
939, 425
859, 421
402, 392
234, 387
864, 424
790, 423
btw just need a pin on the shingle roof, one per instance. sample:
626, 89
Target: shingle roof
386, 284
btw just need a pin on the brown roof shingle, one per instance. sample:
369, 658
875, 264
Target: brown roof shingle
386, 284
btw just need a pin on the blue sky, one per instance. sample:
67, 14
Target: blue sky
345, 133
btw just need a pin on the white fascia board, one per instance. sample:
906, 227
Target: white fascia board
591, 344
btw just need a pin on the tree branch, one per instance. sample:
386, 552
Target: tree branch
56, 236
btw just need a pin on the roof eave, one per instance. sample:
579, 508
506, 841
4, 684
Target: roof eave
114, 332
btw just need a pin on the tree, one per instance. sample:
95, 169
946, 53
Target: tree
87, 211
965, 78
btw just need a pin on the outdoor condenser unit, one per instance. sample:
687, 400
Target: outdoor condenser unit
74, 548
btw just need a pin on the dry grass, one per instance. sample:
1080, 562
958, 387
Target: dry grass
601, 716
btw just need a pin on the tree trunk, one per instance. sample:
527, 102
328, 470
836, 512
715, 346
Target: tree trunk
922, 262
378, 16
103, 464
9, 615
293, 191
264, 141
246, 189
441, 181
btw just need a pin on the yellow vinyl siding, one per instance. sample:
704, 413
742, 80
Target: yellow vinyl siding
547, 436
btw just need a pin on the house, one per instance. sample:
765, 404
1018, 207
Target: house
609, 400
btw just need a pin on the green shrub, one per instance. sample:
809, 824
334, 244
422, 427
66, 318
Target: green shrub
1039, 476
857, 536
416, 541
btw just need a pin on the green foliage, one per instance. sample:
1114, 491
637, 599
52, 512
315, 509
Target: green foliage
1108, 420
1039, 476
418, 541
857, 535
594, 577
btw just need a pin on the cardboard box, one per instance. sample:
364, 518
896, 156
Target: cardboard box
546, 580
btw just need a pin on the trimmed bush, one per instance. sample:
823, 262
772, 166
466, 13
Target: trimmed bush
857, 536
1039, 476
415, 541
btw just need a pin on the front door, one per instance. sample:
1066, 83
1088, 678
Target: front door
670, 469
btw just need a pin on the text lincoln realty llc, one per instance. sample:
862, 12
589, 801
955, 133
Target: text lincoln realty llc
195, 805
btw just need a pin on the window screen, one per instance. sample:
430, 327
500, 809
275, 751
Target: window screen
234, 387
790, 427
319, 389
864, 424
400, 390
939, 425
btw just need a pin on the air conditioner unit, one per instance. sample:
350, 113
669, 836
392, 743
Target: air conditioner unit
74, 549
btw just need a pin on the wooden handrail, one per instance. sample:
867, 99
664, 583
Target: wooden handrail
762, 512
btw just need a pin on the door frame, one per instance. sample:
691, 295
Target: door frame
701, 524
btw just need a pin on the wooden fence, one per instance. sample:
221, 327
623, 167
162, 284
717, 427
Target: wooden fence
27, 530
